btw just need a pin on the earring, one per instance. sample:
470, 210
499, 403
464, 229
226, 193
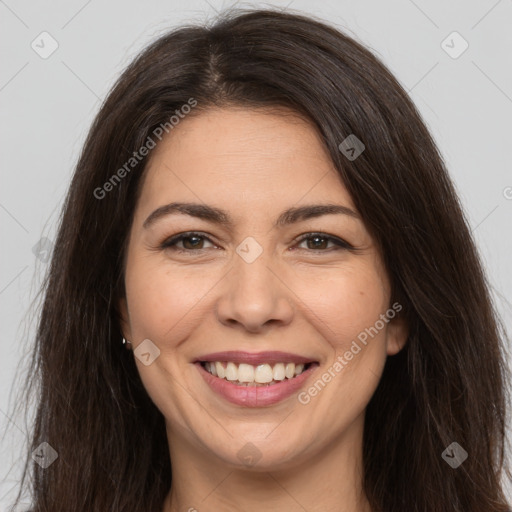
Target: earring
125, 341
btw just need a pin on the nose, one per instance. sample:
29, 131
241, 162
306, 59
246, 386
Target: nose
254, 296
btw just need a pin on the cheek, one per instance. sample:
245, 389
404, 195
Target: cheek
344, 302
163, 304
165, 307
340, 302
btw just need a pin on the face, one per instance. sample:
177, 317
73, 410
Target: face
298, 302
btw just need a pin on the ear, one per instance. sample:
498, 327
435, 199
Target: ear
124, 321
396, 335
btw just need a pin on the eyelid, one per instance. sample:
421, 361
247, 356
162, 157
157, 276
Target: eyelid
339, 242
174, 239
343, 244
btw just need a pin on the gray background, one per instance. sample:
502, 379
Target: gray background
48, 105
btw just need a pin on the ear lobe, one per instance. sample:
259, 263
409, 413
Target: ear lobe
396, 336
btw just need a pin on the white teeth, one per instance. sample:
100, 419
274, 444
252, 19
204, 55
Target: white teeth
263, 374
246, 373
279, 371
253, 375
231, 371
221, 372
289, 371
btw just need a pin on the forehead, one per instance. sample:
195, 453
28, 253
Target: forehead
240, 158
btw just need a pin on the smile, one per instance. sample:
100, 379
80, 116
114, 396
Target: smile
249, 375
255, 379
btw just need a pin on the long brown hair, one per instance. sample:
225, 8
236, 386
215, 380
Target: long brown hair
447, 385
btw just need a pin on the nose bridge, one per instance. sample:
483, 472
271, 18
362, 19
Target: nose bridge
253, 294
252, 274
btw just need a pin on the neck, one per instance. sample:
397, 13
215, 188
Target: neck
329, 482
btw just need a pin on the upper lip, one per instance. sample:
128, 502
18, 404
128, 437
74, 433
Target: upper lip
255, 358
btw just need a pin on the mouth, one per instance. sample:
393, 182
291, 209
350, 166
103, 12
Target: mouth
265, 374
255, 380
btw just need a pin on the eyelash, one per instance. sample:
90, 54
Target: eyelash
170, 243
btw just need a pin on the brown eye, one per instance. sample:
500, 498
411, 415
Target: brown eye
320, 241
317, 242
190, 242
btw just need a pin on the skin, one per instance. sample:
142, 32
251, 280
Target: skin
300, 297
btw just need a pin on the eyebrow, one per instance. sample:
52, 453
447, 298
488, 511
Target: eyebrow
221, 217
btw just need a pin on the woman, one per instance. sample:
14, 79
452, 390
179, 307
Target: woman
264, 293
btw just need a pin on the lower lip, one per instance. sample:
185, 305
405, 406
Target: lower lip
255, 396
